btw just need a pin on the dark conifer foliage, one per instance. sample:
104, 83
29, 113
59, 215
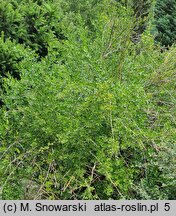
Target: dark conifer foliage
32, 23
165, 22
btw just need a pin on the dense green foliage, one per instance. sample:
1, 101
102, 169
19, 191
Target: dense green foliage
94, 117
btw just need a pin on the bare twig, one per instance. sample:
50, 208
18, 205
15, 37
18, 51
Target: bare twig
92, 173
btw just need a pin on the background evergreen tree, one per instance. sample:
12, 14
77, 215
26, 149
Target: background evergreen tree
165, 22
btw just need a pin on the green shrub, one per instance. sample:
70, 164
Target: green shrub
10, 57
